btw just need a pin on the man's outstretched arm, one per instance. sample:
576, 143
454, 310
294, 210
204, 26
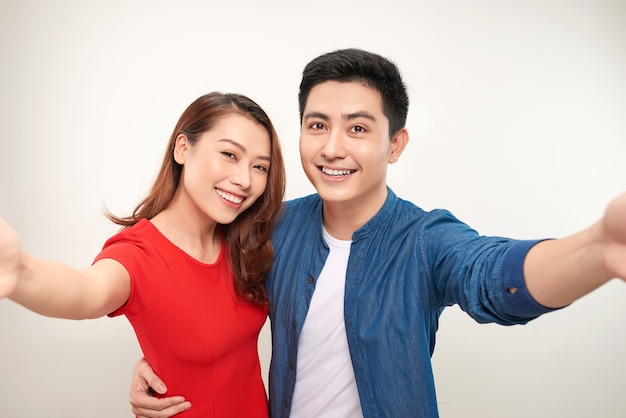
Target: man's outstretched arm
560, 271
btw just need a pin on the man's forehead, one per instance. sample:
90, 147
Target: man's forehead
345, 99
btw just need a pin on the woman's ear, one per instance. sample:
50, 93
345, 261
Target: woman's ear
181, 147
398, 143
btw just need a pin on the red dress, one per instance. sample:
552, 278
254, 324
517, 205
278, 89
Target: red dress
197, 335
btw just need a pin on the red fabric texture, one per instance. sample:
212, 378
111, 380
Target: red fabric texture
195, 332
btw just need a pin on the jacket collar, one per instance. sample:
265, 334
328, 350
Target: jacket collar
381, 218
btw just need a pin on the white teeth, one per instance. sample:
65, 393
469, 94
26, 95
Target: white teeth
229, 197
336, 172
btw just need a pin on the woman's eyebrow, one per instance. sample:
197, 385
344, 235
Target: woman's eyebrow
244, 149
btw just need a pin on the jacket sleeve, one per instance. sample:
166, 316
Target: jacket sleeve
483, 275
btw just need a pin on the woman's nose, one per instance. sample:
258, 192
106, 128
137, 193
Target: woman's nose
241, 176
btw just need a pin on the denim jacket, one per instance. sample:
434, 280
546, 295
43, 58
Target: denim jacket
405, 266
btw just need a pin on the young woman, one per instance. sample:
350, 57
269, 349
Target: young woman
189, 265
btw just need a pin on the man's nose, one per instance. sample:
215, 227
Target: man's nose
335, 146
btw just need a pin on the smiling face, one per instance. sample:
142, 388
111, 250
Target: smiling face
345, 146
226, 170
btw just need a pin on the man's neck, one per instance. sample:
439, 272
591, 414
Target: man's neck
342, 219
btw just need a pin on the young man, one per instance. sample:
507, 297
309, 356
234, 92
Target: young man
361, 276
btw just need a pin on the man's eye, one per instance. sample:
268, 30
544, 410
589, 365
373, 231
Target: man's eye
317, 125
358, 129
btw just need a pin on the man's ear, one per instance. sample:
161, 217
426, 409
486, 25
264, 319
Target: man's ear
398, 143
181, 147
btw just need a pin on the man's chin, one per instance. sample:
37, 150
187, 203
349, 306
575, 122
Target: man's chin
334, 196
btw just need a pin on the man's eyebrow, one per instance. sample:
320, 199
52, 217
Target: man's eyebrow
244, 149
360, 114
316, 115
345, 116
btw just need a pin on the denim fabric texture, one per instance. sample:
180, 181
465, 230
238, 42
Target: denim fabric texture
406, 265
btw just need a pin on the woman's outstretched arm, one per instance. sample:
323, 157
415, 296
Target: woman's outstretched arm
55, 289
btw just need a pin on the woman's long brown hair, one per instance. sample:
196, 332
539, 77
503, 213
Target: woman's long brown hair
248, 237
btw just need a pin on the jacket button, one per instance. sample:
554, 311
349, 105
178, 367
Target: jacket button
309, 280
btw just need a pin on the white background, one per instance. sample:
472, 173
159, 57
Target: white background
517, 124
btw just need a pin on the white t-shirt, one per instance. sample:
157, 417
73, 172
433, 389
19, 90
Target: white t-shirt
325, 383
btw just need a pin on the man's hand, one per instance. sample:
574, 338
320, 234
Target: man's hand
144, 405
560, 271
10, 255
614, 231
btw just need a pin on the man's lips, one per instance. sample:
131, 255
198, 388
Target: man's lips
336, 172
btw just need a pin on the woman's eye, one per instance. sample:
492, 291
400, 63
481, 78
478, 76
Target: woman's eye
262, 168
229, 154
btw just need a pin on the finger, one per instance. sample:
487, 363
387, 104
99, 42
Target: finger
154, 383
141, 400
172, 406
7, 285
144, 404
144, 375
144, 383
141, 397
